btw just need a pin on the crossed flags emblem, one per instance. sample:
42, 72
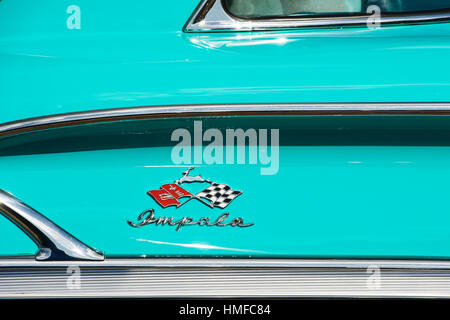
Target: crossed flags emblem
215, 195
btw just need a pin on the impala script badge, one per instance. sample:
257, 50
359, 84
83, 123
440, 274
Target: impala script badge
216, 195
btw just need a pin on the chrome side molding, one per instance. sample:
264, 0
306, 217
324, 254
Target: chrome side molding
211, 15
207, 278
202, 110
55, 244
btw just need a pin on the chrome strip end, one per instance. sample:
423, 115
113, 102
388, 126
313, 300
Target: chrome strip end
54, 242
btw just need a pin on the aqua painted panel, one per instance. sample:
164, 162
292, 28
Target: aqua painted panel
386, 198
330, 201
133, 54
13, 242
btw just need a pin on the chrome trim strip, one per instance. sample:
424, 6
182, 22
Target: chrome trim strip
210, 15
54, 243
25, 278
154, 262
67, 119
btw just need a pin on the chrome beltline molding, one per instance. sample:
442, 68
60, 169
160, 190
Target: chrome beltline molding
130, 113
178, 277
210, 15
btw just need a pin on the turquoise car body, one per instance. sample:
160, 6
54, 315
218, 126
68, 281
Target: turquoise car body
330, 199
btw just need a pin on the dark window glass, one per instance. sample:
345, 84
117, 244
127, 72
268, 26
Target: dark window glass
289, 8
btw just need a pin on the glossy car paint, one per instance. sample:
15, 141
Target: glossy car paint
330, 200
369, 192
135, 54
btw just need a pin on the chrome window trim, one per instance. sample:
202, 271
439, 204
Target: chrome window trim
183, 278
210, 15
54, 242
200, 110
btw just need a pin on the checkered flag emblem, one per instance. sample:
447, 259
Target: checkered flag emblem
218, 195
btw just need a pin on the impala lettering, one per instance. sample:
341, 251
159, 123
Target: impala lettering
148, 217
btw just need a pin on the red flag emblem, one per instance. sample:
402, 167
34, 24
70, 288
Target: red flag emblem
169, 194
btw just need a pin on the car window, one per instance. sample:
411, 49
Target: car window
292, 8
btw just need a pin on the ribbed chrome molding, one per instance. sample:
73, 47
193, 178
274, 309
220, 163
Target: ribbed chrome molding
210, 15
188, 278
170, 111
54, 242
